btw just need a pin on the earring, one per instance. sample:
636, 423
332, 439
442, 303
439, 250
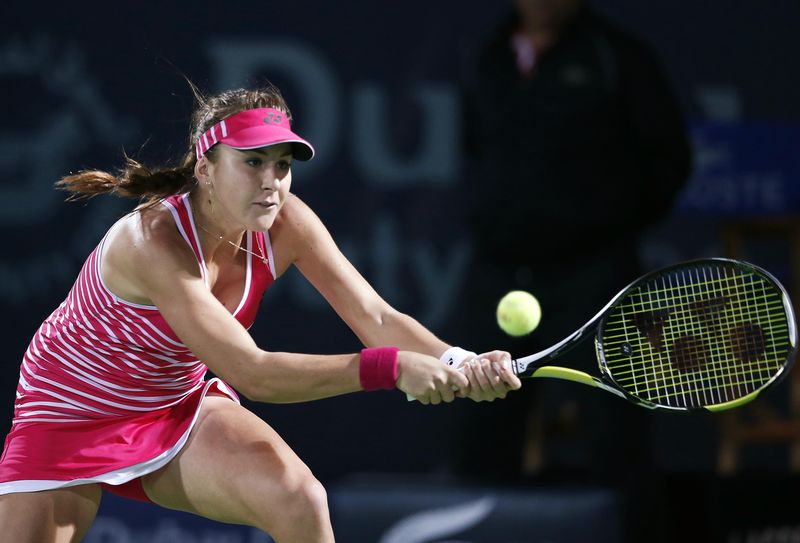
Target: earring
211, 196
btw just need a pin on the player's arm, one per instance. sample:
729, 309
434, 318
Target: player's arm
369, 316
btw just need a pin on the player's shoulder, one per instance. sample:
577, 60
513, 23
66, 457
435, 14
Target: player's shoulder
148, 237
297, 228
145, 251
296, 217
296, 209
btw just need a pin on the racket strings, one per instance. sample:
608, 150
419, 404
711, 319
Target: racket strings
679, 302
697, 337
738, 338
775, 308
685, 358
729, 383
699, 383
699, 287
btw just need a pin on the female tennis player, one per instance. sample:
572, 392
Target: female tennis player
112, 391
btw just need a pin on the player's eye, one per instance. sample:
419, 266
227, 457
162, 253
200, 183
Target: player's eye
253, 162
284, 165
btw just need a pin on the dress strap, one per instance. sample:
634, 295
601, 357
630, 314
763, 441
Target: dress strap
181, 209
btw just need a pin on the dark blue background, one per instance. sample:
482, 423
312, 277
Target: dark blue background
84, 82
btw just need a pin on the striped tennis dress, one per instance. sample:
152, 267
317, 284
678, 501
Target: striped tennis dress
107, 392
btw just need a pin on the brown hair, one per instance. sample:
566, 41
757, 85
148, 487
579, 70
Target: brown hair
136, 180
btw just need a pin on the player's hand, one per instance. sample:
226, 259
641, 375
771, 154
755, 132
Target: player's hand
490, 376
428, 380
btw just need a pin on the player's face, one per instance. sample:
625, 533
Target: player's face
252, 185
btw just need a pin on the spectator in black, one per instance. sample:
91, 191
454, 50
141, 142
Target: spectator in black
576, 147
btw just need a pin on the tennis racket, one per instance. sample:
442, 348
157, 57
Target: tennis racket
708, 334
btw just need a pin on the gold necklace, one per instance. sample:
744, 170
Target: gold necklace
219, 237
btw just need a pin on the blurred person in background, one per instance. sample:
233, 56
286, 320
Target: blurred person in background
576, 146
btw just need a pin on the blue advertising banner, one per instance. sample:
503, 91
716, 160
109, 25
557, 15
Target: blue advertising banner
413, 511
747, 169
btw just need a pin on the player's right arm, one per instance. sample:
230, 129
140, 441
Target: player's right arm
147, 262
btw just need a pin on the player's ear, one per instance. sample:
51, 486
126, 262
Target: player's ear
201, 170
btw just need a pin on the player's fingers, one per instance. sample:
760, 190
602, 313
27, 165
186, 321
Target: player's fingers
498, 383
496, 355
509, 377
457, 385
458, 380
435, 398
446, 392
480, 377
466, 368
491, 370
448, 387
477, 392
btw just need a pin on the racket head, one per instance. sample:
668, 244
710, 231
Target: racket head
707, 334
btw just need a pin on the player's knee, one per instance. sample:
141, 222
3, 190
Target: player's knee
299, 501
316, 497
308, 498
305, 502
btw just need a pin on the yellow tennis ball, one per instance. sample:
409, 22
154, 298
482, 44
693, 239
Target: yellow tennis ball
518, 313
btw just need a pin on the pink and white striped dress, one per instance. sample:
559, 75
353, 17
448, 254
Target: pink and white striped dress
107, 392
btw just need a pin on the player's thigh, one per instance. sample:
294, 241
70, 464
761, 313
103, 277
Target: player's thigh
234, 468
58, 516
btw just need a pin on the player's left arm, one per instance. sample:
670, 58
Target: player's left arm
374, 321
370, 317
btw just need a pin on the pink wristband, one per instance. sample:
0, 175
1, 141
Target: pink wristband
378, 368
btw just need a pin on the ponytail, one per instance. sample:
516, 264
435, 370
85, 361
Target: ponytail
134, 181
138, 181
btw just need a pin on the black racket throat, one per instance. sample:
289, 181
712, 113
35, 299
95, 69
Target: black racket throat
525, 367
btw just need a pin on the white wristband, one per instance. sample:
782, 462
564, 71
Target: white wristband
455, 356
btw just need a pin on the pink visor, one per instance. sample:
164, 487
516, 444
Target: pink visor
252, 129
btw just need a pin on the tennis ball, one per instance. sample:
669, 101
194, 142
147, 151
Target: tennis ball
518, 313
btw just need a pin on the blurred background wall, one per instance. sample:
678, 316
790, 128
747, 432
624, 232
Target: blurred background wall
376, 87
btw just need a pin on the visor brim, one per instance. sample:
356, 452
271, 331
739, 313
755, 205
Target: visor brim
257, 137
